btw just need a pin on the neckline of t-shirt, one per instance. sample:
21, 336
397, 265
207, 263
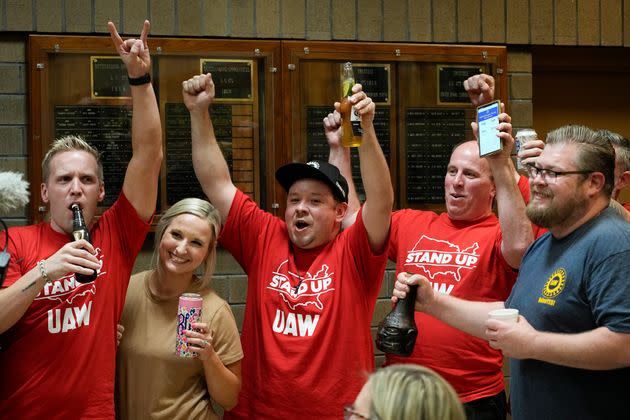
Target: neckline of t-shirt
466, 223
158, 299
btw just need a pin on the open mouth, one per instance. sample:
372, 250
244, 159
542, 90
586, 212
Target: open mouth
301, 225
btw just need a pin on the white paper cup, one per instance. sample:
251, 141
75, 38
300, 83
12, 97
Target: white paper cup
505, 315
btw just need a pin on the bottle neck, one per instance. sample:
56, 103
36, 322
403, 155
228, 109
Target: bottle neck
408, 304
77, 220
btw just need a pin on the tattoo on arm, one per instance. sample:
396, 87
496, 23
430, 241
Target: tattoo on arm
30, 285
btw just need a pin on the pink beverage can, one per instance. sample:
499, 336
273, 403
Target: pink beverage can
189, 311
522, 136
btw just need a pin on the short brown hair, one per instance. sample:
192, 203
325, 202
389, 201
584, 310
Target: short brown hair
595, 153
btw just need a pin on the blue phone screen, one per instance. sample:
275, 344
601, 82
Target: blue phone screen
488, 119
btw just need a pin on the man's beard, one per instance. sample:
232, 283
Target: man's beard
555, 213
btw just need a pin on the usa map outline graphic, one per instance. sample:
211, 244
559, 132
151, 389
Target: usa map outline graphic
293, 300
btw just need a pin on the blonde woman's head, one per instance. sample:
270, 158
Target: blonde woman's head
204, 211
401, 392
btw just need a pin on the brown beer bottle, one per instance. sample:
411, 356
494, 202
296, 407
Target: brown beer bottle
80, 231
398, 331
352, 133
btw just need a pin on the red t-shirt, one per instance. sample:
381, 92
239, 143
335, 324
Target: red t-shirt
58, 360
462, 259
306, 354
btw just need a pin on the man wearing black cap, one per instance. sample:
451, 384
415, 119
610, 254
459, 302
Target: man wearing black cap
311, 288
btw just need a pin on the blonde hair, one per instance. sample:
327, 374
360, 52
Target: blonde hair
401, 392
67, 144
205, 211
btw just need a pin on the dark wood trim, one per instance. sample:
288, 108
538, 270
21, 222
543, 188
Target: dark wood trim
281, 95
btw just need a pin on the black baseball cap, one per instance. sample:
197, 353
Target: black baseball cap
315, 169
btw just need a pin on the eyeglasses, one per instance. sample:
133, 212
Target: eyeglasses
348, 412
548, 175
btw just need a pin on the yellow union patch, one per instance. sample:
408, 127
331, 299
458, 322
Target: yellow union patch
555, 284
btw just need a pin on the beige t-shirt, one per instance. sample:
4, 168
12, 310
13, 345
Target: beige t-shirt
152, 381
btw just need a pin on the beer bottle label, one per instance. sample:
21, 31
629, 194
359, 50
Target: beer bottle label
355, 120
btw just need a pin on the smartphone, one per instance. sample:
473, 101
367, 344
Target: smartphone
488, 120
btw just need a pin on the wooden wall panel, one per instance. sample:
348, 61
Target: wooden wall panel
469, 21
588, 22
612, 22
565, 22
493, 21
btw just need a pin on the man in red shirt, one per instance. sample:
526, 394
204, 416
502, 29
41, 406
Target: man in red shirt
466, 251
59, 336
311, 288
568, 349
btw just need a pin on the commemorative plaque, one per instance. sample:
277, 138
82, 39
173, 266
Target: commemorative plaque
108, 78
233, 79
375, 79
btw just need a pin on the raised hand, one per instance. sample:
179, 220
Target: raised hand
134, 52
480, 89
332, 129
198, 92
475, 127
362, 103
505, 133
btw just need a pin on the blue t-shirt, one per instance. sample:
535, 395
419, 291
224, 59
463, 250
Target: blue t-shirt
572, 285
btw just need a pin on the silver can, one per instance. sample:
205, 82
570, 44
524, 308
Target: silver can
522, 136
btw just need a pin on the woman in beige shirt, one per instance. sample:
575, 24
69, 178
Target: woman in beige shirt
152, 380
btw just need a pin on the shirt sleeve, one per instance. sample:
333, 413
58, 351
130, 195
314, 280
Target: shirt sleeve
122, 221
225, 339
392, 249
243, 227
608, 290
